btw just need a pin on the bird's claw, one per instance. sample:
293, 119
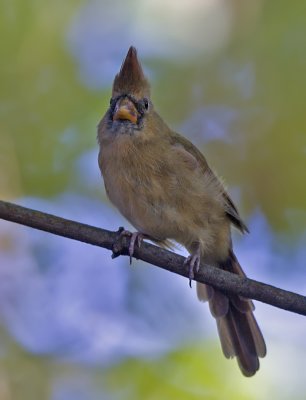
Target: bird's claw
136, 238
193, 263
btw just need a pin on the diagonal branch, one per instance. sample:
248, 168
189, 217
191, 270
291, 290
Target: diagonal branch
165, 259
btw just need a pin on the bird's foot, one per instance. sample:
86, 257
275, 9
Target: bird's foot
193, 263
136, 239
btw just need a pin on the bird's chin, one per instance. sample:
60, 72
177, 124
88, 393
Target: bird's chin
124, 127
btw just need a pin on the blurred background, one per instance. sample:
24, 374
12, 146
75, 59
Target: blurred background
228, 74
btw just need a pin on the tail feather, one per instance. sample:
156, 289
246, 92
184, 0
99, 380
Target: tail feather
204, 292
246, 351
238, 330
226, 340
243, 305
219, 304
259, 340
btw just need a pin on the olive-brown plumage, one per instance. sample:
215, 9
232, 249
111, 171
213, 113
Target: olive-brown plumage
163, 185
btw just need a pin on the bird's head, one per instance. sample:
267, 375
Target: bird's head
130, 100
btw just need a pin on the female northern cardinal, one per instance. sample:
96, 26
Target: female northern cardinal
163, 185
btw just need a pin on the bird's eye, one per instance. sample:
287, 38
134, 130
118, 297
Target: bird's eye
146, 103
111, 101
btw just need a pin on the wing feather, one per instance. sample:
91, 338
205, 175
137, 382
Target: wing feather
229, 207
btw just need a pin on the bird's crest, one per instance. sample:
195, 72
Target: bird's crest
131, 79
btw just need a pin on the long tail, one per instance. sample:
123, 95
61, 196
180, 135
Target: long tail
239, 333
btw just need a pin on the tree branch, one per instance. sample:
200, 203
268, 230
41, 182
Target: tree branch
165, 259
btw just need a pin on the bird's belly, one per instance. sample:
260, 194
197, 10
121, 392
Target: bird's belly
158, 212
162, 209
168, 221
142, 207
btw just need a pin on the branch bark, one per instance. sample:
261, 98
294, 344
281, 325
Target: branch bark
165, 259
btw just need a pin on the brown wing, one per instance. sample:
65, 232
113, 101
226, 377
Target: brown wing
230, 208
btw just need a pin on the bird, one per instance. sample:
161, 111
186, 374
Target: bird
162, 184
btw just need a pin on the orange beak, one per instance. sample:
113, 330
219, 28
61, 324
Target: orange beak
125, 111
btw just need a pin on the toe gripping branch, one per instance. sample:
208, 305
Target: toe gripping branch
193, 264
121, 246
126, 242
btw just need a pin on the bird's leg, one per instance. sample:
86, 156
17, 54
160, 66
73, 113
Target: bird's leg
136, 238
193, 262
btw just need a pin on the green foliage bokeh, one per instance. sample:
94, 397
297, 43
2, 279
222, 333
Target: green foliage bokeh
48, 119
